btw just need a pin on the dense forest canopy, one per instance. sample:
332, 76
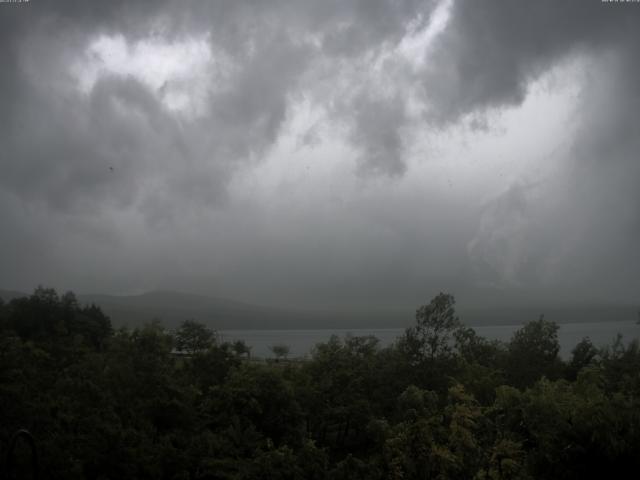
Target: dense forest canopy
440, 403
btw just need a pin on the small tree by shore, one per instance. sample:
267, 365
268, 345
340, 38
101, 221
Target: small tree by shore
281, 351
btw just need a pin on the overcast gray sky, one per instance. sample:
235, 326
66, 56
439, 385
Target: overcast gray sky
335, 152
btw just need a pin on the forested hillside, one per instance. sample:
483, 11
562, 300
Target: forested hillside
440, 403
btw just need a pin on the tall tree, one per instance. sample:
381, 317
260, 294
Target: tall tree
192, 337
533, 353
432, 335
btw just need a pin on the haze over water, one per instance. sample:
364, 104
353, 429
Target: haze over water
302, 342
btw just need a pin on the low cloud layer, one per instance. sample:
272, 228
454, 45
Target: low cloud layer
322, 153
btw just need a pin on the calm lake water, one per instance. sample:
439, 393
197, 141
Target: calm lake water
302, 341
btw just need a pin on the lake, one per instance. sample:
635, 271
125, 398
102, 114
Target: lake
302, 341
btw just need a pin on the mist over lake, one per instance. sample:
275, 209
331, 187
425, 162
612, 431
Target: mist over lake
301, 342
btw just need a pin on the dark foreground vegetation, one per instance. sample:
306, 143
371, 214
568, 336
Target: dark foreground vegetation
441, 403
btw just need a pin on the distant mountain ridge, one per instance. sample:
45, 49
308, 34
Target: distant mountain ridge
172, 307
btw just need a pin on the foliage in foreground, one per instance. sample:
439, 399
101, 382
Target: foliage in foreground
441, 403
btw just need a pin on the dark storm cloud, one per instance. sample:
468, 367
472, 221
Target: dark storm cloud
113, 181
80, 155
486, 59
344, 28
69, 157
284, 38
377, 132
60, 146
492, 50
607, 170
